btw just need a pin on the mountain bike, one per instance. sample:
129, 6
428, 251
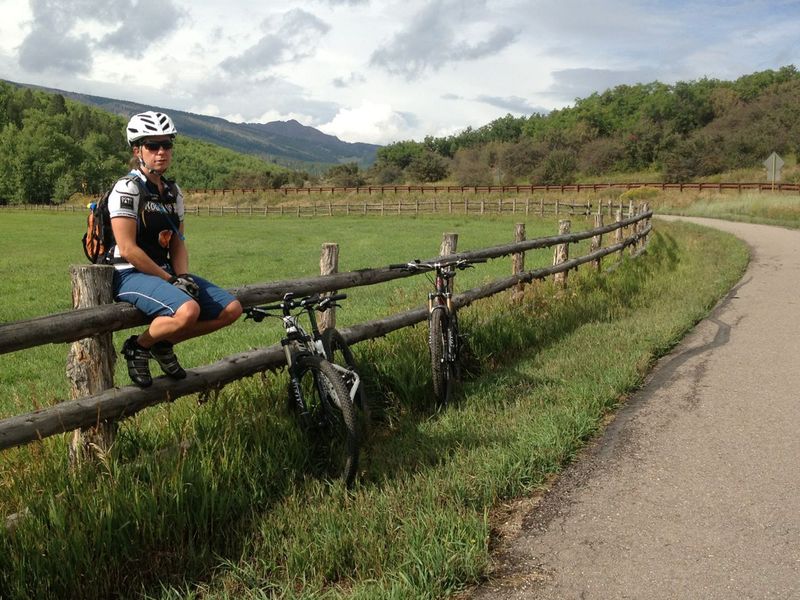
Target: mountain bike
444, 340
320, 392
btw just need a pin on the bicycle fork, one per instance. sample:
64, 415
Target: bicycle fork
351, 380
444, 301
294, 378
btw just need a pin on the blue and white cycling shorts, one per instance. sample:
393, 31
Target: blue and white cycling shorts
156, 297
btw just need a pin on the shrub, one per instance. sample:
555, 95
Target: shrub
469, 168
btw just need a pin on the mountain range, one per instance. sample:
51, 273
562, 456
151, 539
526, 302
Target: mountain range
288, 143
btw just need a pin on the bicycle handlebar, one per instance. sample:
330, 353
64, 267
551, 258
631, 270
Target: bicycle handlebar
257, 313
417, 265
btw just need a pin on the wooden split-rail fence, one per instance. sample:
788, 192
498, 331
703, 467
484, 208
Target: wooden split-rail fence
508, 189
380, 207
96, 405
389, 207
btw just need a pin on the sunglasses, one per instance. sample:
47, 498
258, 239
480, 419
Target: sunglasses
156, 146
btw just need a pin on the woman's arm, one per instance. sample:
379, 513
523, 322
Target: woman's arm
179, 253
124, 229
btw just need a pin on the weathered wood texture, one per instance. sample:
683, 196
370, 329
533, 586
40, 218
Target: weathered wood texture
90, 361
561, 253
449, 244
518, 258
597, 240
448, 248
328, 265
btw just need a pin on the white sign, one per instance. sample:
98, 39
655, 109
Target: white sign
773, 164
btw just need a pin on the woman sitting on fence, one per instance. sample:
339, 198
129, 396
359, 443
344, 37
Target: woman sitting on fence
151, 258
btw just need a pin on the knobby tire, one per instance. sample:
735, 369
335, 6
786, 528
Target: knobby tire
330, 418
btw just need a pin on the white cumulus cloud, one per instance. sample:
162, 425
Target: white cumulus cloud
371, 122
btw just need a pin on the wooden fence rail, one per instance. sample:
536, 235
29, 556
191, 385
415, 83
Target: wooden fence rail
117, 403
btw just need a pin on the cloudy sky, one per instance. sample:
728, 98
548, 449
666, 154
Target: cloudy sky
384, 70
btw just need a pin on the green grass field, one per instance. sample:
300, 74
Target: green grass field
217, 501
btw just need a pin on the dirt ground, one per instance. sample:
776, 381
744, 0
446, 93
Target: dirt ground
693, 490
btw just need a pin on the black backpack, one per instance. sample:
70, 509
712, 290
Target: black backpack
99, 238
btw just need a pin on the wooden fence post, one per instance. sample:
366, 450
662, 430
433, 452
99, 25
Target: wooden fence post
635, 228
90, 361
597, 240
618, 234
449, 244
328, 264
518, 258
561, 253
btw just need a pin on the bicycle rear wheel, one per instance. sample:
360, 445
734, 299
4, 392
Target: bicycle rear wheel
338, 352
441, 366
329, 417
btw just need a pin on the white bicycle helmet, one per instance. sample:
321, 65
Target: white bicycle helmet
147, 124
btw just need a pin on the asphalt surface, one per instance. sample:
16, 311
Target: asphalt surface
693, 491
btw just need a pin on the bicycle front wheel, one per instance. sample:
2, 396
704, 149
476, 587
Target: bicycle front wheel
441, 366
330, 417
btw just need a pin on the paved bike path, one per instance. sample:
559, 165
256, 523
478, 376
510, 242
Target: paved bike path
693, 491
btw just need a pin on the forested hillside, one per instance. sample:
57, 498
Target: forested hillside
287, 143
52, 147
669, 132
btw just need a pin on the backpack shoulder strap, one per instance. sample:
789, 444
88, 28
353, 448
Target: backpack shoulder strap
144, 193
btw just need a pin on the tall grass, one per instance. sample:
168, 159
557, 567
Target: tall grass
765, 208
219, 501
782, 209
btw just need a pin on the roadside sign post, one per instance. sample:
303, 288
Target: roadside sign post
773, 164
